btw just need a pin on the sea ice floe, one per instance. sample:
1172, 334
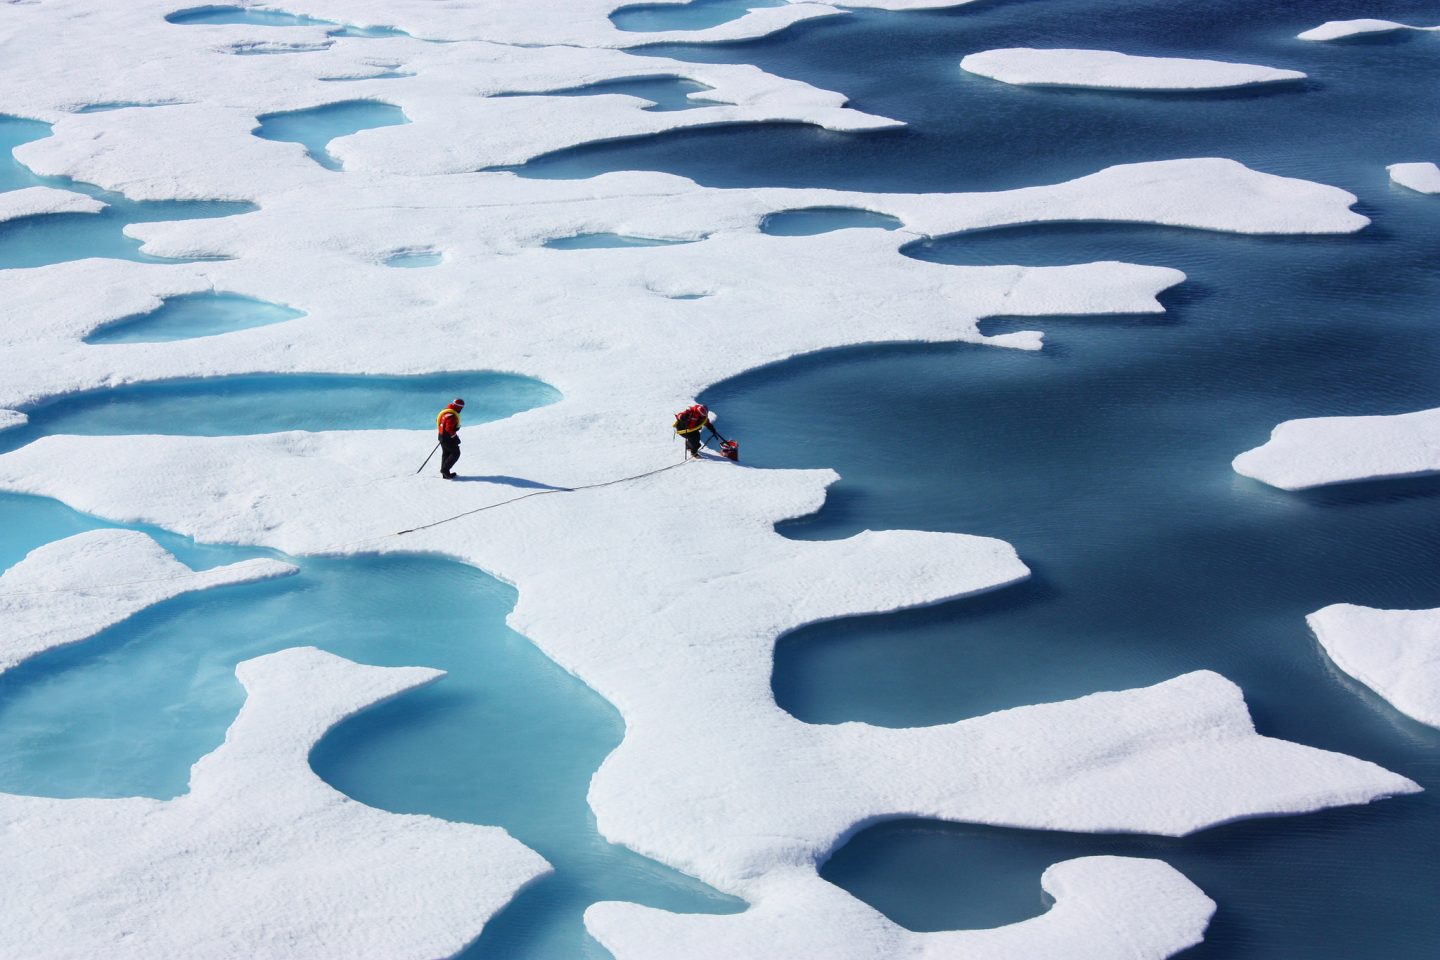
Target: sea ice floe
1396, 653
1105, 908
1420, 177
38, 201
260, 857
1340, 29
712, 776
69, 590
1109, 70
1322, 450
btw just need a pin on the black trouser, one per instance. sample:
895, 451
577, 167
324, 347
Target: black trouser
451, 446
692, 443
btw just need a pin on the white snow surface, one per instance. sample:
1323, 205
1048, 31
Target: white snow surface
712, 777
1322, 450
1420, 177
1109, 70
69, 590
1341, 29
36, 201
260, 858
1106, 908
1396, 653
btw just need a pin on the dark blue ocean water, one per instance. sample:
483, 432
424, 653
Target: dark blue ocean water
1103, 458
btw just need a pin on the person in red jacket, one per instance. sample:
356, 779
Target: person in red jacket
447, 423
690, 422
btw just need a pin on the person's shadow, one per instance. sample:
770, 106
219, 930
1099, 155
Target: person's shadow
513, 482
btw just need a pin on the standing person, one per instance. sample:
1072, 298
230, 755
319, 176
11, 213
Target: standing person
689, 422
447, 423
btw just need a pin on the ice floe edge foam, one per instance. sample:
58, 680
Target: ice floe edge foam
1111, 70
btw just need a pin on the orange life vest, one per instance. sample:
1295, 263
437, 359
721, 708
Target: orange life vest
690, 420
440, 421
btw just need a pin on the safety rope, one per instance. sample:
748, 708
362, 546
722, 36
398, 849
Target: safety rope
383, 536
502, 503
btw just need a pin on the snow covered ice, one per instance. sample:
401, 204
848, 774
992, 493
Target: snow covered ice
1344, 29
67, 591
1420, 177
261, 857
1396, 653
1326, 450
1109, 70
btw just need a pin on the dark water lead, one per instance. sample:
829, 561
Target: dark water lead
1300, 887
270, 403
315, 127
194, 315
815, 220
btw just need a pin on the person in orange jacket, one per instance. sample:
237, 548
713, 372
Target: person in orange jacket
690, 422
447, 423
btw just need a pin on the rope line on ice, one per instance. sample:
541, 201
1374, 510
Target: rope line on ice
527, 496
351, 543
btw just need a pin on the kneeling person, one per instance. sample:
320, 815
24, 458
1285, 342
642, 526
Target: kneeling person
689, 422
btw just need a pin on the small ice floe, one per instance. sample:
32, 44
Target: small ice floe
70, 590
1396, 653
38, 201
1323, 450
1420, 177
1341, 29
1109, 70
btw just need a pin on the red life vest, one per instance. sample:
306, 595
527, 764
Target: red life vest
443, 426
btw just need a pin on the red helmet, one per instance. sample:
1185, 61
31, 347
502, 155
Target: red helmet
700, 409
457, 403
